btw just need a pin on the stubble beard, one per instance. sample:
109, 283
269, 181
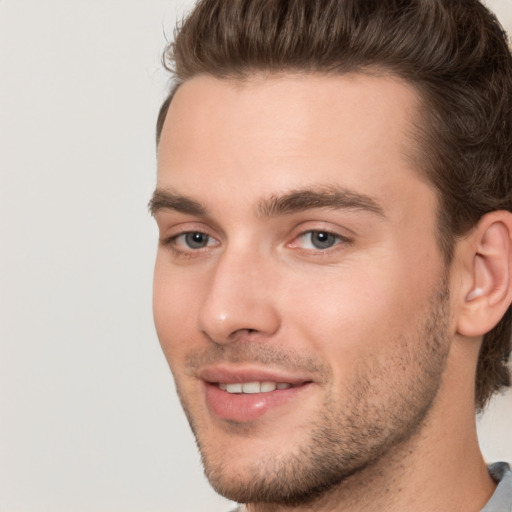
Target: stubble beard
380, 411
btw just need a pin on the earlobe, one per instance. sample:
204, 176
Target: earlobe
490, 283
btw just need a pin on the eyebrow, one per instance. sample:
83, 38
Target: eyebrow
167, 200
329, 197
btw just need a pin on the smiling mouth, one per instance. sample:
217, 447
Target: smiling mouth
254, 387
249, 399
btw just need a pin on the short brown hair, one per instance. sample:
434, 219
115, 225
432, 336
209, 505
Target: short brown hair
455, 54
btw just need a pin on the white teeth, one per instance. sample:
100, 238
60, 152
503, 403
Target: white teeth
253, 387
268, 386
234, 388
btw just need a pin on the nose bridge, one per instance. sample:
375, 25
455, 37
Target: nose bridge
239, 297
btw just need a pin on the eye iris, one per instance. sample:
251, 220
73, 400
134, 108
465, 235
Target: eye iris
196, 240
322, 240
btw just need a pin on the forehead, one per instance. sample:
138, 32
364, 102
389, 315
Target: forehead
289, 131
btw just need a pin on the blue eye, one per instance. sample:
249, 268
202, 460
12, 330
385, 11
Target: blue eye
193, 240
322, 240
319, 240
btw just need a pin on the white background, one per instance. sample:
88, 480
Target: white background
88, 416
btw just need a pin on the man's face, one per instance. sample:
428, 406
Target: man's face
297, 263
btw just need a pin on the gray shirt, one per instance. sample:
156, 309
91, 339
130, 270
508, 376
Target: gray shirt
501, 500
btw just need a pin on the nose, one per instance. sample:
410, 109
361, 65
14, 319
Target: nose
239, 299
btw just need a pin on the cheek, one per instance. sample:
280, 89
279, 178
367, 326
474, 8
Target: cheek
361, 312
173, 302
341, 320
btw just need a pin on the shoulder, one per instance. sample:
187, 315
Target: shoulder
501, 500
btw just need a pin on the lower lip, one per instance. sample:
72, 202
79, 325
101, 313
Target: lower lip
245, 407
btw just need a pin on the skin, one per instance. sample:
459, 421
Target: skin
370, 322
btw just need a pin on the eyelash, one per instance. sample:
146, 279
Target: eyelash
188, 252
336, 239
172, 243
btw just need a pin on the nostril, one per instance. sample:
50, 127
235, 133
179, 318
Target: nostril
243, 333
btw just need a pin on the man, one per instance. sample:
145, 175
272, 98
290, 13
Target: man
333, 280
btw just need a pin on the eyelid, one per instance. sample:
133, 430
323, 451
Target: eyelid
174, 236
341, 239
170, 220
174, 240
169, 239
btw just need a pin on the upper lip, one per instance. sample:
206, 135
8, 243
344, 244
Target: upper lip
227, 375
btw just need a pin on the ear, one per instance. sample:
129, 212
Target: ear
487, 289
